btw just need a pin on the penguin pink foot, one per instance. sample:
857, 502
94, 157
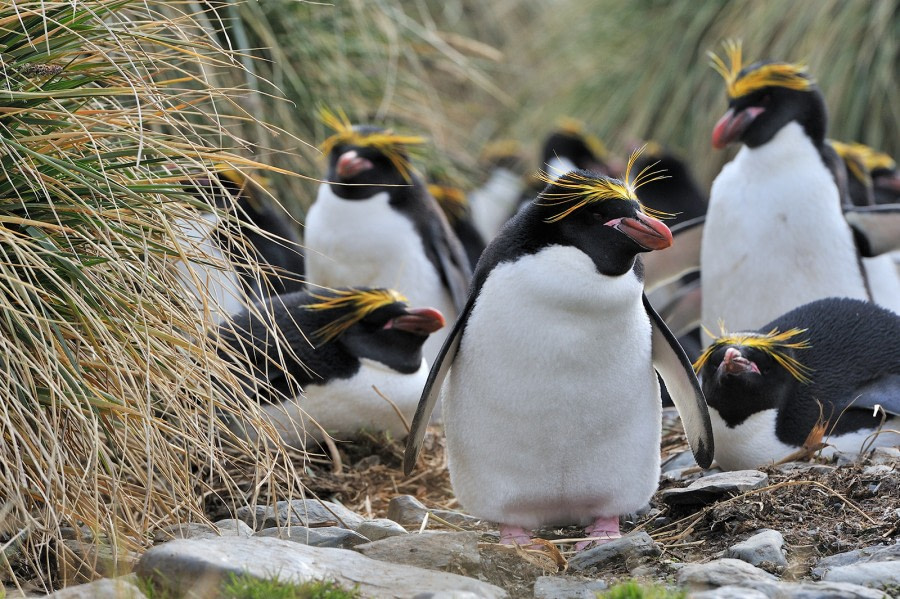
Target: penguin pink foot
603, 530
515, 535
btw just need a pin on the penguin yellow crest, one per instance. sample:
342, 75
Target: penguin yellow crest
772, 343
871, 158
576, 128
392, 145
351, 306
577, 190
451, 199
853, 158
740, 83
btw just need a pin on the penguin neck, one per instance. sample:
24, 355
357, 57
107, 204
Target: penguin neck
735, 400
791, 148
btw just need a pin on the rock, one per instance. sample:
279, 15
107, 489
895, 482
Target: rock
730, 592
78, 559
567, 587
190, 530
877, 470
188, 565
406, 510
877, 553
304, 512
721, 573
106, 588
445, 551
634, 545
825, 590
680, 461
872, 574
448, 595
885, 455
804, 467
380, 528
708, 489
325, 536
232, 527
762, 549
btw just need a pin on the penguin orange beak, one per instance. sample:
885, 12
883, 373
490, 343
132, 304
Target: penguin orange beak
421, 321
350, 164
735, 363
644, 230
732, 125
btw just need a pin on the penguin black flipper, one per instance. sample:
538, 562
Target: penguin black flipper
682, 312
678, 260
876, 229
432, 390
452, 262
673, 366
883, 392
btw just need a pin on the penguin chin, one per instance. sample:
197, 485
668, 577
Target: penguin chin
733, 124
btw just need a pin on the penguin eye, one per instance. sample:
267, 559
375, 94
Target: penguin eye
766, 99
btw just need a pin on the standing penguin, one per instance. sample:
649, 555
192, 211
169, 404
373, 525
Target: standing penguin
374, 224
551, 402
316, 355
826, 364
775, 236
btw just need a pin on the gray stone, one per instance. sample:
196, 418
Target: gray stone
448, 595
680, 461
629, 546
325, 536
730, 592
406, 510
885, 455
825, 590
445, 551
708, 489
567, 587
804, 467
877, 553
380, 528
304, 512
232, 527
190, 530
877, 470
872, 574
187, 565
762, 549
106, 588
79, 560
720, 573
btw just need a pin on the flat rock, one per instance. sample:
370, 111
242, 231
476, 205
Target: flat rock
872, 574
730, 592
406, 510
629, 546
708, 489
825, 590
325, 536
877, 553
106, 588
721, 573
380, 528
190, 530
764, 549
885, 455
232, 527
445, 551
303, 512
567, 587
679, 461
188, 565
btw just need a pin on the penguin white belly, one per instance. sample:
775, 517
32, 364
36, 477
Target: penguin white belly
750, 444
368, 243
551, 407
343, 407
864, 439
884, 281
775, 237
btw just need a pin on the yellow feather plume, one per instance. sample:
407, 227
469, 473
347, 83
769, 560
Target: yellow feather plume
579, 190
451, 199
358, 304
772, 343
778, 74
392, 145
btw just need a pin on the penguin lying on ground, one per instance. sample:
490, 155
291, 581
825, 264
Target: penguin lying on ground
335, 345
775, 236
551, 402
375, 224
826, 364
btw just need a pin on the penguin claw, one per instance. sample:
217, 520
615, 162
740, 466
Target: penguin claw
602, 531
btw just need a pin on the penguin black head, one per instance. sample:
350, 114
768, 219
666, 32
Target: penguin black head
599, 215
570, 142
764, 97
372, 323
365, 158
882, 170
745, 373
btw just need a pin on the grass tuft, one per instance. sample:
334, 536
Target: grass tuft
632, 589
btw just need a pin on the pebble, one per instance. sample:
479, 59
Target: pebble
764, 549
305, 512
629, 546
877, 553
710, 488
567, 587
76, 554
721, 573
232, 527
873, 574
406, 510
380, 528
106, 588
186, 565
324, 536
445, 551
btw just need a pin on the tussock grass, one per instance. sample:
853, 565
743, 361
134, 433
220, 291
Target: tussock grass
108, 414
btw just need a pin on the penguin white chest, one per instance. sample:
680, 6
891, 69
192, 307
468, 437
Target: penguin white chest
775, 237
369, 243
551, 406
